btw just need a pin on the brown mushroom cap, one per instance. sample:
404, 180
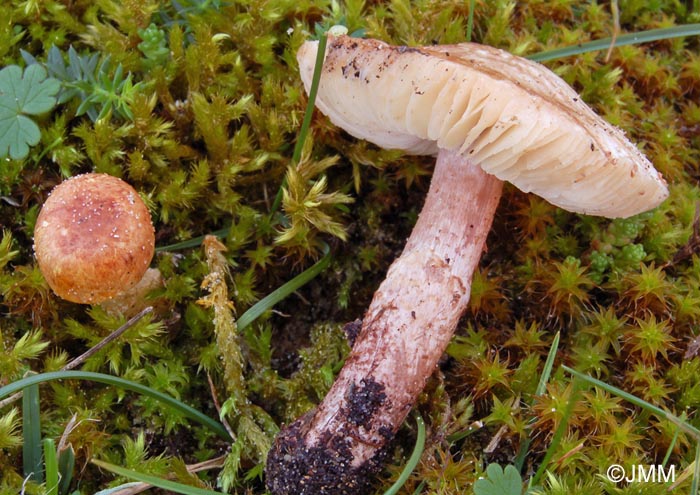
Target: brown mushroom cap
515, 118
93, 238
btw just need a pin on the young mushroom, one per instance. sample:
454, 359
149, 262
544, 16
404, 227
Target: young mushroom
93, 238
489, 117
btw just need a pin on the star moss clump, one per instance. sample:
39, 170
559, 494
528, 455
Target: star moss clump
208, 139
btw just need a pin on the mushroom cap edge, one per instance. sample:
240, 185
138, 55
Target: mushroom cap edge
514, 117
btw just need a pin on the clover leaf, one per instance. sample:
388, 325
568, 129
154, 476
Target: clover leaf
22, 94
499, 481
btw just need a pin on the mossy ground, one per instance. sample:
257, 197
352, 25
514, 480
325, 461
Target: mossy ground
208, 138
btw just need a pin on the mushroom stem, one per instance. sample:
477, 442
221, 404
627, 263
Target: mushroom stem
336, 448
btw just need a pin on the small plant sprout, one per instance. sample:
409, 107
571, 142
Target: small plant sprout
489, 117
93, 238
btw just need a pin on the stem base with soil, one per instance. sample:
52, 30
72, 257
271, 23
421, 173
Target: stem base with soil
338, 447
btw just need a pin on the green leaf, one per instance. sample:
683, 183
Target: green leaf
499, 481
21, 94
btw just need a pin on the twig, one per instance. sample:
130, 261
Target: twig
493, 444
217, 405
109, 338
63, 442
81, 359
616, 28
10, 399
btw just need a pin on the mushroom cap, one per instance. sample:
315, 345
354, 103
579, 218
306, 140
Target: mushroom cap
515, 118
93, 238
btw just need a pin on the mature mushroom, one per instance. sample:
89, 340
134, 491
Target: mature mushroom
489, 116
93, 238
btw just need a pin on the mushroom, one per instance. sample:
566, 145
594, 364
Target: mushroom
489, 116
93, 238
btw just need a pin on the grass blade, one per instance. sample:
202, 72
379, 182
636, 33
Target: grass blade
51, 466
66, 465
696, 473
172, 486
313, 90
548, 365
688, 428
31, 432
190, 243
115, 381
283, 291
412, 461
419, 488
625, 39
558, 434
470, 19
541, 389
308, 113
672, 445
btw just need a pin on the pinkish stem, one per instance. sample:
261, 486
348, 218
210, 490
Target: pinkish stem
336, 448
